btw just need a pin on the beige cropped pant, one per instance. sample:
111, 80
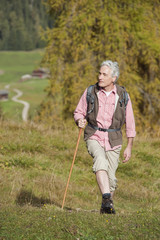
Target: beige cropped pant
104, 160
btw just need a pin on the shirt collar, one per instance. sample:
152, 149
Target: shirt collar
114, 90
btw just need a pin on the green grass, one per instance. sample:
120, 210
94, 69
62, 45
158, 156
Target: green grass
52, 224
14, 65
34, 168
17, 63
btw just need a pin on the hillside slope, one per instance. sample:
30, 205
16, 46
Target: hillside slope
34, 167
13, 65
21, 23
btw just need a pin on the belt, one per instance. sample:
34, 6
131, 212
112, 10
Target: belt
103, 129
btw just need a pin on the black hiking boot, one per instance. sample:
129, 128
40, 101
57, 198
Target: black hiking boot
107, 206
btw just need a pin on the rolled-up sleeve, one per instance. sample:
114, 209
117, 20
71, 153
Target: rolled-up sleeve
81, 109
130, 122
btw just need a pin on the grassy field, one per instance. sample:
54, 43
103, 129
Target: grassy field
34, 168
13, 65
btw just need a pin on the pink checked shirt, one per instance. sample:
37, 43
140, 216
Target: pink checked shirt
104, 117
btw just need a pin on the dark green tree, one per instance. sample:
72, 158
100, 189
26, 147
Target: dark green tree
21, 23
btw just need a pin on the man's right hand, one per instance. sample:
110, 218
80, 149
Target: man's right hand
81, 123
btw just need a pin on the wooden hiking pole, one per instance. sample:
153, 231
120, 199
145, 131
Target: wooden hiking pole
79, 135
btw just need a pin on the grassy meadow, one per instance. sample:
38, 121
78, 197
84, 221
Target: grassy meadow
13, 65
34, 168
35, 161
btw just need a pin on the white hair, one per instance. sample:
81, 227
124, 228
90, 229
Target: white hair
113, 66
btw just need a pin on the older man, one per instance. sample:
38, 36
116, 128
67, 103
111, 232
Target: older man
106, 107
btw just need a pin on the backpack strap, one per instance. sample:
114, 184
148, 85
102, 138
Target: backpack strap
90, 98
125, 96
124, 99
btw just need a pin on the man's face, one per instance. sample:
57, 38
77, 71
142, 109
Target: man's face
105, 79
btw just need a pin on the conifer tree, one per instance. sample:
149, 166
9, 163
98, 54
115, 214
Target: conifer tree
20, 24
85, 33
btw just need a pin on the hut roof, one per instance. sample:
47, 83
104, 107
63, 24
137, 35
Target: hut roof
3, 92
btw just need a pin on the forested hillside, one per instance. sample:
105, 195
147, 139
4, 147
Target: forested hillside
87, 32
21, 23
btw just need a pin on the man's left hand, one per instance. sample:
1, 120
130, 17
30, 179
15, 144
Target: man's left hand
127, 151
127, 154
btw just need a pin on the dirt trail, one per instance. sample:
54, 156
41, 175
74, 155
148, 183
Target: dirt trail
26, 104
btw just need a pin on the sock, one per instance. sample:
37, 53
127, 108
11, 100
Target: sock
106, 195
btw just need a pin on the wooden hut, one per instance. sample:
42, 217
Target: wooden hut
3, 95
